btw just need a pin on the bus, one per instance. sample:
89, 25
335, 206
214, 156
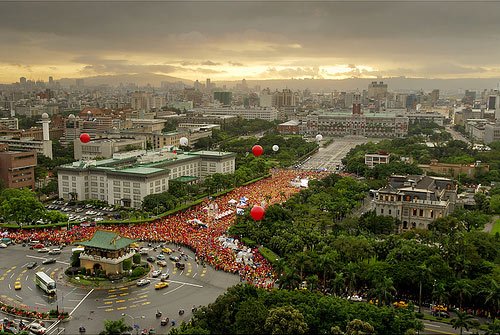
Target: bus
47, 284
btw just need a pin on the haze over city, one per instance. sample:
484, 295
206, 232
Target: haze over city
253, 40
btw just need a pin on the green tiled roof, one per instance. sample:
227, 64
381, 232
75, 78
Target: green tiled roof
185, 179
107, 240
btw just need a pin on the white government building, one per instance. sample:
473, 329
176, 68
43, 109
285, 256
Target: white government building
127, 178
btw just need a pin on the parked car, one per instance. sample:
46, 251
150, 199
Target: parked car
155, 273
173, 258
31, 265
162, 263
150, 259
43, 250
38, 246
166, 251
3, 245
160, 257
180, 266
143, 282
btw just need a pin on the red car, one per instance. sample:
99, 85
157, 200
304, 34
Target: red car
38, 246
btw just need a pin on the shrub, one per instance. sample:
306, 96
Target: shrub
127, 264
138, 272
137, 258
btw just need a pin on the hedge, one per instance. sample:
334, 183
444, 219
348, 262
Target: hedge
269, 255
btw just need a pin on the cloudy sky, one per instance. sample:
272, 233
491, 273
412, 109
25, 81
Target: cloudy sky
234, 40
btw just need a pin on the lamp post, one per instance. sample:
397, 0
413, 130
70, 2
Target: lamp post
136, 326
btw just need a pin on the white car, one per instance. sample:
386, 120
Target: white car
37, 328
43, 250
3, 245
155, 273
143, 251
55, 251
143, 282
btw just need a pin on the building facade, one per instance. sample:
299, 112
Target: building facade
106, 147
127, 178
17, 169
375, 159
417, 200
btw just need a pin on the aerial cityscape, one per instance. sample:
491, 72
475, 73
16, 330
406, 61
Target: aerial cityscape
235, 167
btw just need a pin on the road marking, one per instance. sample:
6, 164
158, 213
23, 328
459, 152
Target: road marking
27, 277
73, 290
2, 278
195, 274
142, 300
175, 289
120, 301
146, 303
123, 294
142, 296
121, 308
10, 287
108, 299
18, 297
124, 288
112, 296
12, 275
180, 282
111, 291
12, 268
24, 271
74, 309
108, 302
431, 325
109, 309
30, 288
40, 304
132, 306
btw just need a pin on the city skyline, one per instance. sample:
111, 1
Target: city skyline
253, 40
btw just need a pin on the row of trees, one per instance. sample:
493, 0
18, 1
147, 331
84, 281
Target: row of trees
454, 261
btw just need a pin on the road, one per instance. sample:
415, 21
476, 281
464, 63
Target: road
331, 156
456, 135
194, 286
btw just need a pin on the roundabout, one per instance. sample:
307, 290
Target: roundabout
90, 306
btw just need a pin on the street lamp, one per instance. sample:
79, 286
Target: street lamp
136, 326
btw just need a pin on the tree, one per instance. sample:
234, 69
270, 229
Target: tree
54, 217
383, 290
285, 320
115, 327
493, 328
358, 327
20, 206
462, 320
463, 288
493, 295
495, 204
251, 317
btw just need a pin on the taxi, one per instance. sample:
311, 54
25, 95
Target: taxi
17, 285
167, 250
161, 285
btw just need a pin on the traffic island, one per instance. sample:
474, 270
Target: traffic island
30, 314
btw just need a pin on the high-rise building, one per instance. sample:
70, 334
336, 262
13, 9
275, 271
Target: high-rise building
51, 81
22, 81
17, 169
224, 98
377, 91
434, 96
208, 85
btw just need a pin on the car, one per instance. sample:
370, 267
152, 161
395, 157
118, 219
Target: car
155, 273
49, 261
162, 263
3, 245
165, 277
161, 285
180, 266
43, 250
160, 257
31, 265
166, 250
173, 258
38, 246
17, 285
143, 282
144, 251
150, 259
55, 251
37, 328
134, 245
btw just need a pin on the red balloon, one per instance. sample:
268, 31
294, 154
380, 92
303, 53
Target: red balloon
257, 213
257, 150
85, 138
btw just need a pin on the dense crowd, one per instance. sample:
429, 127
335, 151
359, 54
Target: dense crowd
203, 241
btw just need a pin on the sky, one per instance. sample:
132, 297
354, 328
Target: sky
225, 40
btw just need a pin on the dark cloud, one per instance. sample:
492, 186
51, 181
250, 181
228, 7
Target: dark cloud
417, 37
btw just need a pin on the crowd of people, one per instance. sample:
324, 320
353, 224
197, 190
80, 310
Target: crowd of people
177, 228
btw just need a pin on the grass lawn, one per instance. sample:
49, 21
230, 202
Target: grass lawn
496, 227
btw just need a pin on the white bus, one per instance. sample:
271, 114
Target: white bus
46, 283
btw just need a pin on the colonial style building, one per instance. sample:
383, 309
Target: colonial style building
105, 253
416, 200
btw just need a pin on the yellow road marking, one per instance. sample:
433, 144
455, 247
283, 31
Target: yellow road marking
24, 271
123, 288
146, 303
119, 301
108, 302
132, 306
12, 268
112, 296
143, 296
109, 309
113, 290
123, 294
121, 308
2, 278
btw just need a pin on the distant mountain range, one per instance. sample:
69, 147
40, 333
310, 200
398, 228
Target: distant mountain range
314, 85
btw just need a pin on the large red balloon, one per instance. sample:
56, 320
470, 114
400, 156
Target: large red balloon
257, 150
85, 138
257, 213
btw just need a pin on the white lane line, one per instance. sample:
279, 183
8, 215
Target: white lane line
12, 275
30, 288
10, 287
175, 289
73, 290
195, 274
36, 257
18, 297
85, 297
180, 282
65, 263
37, 303
26, 277
431, 325
62, 330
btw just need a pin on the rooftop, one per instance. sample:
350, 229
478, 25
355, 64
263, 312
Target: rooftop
107, 240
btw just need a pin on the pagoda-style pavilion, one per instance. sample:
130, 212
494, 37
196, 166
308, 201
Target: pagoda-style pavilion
105, 252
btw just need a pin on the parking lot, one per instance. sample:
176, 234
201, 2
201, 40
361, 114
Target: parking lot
82, 213
192, 285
